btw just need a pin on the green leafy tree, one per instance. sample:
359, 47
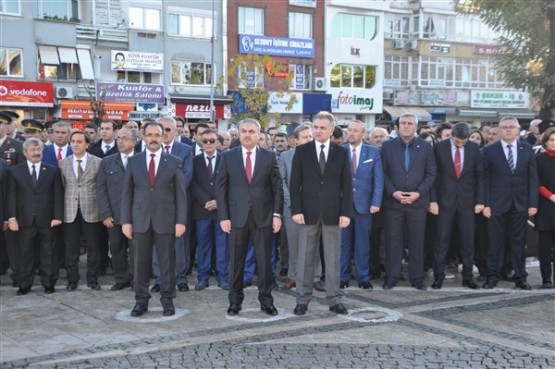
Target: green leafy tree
527, 34
254, 76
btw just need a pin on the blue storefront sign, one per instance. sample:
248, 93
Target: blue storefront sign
276, 46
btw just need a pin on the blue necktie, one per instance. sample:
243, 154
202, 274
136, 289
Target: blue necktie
510, 158
407, 158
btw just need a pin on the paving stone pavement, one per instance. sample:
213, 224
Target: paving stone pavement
401, 328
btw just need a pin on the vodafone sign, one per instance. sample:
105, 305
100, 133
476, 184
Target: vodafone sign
18, 93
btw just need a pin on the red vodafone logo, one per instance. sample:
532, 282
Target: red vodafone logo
23, 93
3, 90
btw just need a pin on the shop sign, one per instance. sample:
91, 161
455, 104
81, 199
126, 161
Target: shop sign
488, 49
21, 93
278, 104
276, 46
130, 92
499, 99
137, 61
428, 98
198, 111
356, 101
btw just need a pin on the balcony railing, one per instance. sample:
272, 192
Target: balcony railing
102, 33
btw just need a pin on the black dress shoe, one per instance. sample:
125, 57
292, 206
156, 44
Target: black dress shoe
120, 286
438, 282
523, 285
71, 286
388, 286
168, 309
420, 286
366, 286
22, 291
269, 309
233, 309
339, 309
470, 284
139, 309
155, 288
49, 290
547, 284
489, 285
93, 285
300, 309
183, 287
343, 285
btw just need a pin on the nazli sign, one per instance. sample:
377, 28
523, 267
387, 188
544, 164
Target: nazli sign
130, 92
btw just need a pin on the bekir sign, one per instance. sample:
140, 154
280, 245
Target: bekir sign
131, 92
276, 46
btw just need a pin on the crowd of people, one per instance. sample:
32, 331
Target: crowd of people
317, 204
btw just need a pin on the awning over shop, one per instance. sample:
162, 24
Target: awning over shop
315, 103
56, 55
81, 109
518, 114
396, 111
478, 113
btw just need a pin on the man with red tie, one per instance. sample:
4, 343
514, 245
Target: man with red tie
60, 149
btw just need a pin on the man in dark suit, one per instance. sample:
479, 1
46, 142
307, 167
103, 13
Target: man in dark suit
60, 149
511, 191
367, 172
109, 184
35, 205
457, 196
153, 212
409, 173
250, 205
321, 204
3, 225
210, 236
182, 253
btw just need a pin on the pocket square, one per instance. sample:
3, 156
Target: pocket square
368, 161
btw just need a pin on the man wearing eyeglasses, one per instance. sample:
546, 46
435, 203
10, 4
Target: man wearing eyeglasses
184, 153
210, 236
511, 193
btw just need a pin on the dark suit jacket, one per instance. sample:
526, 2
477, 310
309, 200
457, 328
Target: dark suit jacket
162, 205
420, 177
186, 140
49, 154
203, 188
315, 195
12, 151
505, 189
109, 184
368, 181
96, 149
43, 203
184, 153
465, 192
235, 196
3, 188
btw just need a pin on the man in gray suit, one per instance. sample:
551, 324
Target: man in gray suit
153, 212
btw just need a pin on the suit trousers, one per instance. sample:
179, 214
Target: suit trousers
293, 251
481, 244
142, 255
356, 237
72, 239
238, 246
401, 222
546, 253
119, 245
211, 237
37, 242
182, 261
463, 221
309, 246
509, 227
13, 254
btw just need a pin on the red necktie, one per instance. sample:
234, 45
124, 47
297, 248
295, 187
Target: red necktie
151, 169
355, 165
248, 167
59, 157
458, 167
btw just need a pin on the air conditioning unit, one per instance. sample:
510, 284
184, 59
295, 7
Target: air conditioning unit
413, 45
64, 93
399, 44
319, 84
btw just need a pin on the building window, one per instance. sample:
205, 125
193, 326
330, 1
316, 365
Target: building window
62, 9
302, 76
396, 71
10, 7
58, 64
435, 27
353, 76
134, 77
300, 25
144, 18
253, 79
473, 30
189, 25
362, 27
191, 73
397, 26
251, 21
10, 62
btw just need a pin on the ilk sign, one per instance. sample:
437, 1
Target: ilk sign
276, 46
